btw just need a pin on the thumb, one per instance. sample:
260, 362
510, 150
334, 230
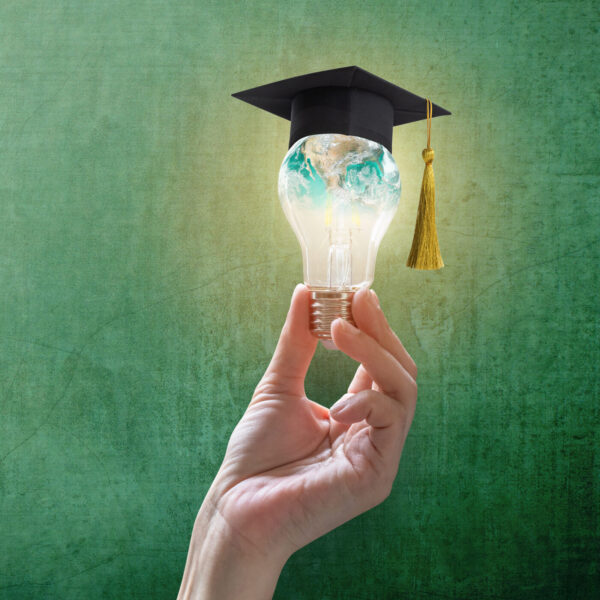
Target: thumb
295, 348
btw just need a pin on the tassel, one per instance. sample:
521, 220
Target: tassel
425, 251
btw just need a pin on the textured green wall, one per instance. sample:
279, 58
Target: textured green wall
146, 269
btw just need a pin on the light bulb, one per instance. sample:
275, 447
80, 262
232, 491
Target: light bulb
339, 193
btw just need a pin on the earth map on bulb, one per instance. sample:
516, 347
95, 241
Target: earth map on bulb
348, 168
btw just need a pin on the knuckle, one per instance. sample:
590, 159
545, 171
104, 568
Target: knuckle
267, 388
261, 389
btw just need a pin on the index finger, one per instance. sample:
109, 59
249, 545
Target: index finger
392, 378
369, 317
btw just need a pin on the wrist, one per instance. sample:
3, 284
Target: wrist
222, 565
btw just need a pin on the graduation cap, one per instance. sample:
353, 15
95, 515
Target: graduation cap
354, 102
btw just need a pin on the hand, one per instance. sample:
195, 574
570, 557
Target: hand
293, 469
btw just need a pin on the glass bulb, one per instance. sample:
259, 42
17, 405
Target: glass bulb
339, 193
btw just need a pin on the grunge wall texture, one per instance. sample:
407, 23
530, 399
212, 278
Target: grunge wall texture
146, 269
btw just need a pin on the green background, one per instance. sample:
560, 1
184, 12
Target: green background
146, 269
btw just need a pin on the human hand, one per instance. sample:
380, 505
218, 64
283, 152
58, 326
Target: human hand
293, 469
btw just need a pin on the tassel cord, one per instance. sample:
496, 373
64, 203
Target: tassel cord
425, 250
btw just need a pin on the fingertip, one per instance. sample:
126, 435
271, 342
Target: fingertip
343, 418
299, 291
362, 302
342, 333
339, 411
297, 325
336, 323
300, 299
336, 327
369, 316
339, 325
340, 405
361, 295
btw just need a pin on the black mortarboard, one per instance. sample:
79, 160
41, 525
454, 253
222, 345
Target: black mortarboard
349, 100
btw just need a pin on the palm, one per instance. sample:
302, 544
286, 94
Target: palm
288, 460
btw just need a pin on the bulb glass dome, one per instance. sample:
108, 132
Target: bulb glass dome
339, 193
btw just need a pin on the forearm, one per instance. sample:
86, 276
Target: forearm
220, 567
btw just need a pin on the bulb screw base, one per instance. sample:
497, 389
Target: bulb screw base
325, 307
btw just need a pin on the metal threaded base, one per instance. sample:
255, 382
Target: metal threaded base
325, 307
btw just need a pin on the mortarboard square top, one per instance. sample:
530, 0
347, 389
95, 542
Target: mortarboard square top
348, 100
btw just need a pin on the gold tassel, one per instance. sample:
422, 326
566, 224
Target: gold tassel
425, 251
